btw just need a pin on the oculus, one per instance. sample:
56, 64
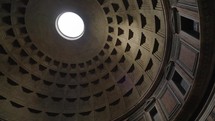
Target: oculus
70, 26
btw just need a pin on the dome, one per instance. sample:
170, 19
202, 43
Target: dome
130, 60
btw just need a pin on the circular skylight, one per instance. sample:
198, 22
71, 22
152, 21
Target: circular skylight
70, 26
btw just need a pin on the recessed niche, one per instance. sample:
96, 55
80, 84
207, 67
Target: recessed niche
21, 10
34, 110
11, 61
2, 50
127, 94
6, 7
41, 95
2, 98
35, 78
126, 4
47, 83
108, 60
95, 82
132, 68
16, 104
106, 46
110, 30
85, 98
10, 32
106, 10
73, 75
114, 52
182, 85
22, 70
62, 74
139, 55
7, 20
21, 20
128, 47
57, 99
115, 102
40, 54
154, 3
23, 53
143, 39
115, 69
27, 39
23, 30
149, 66
99, 94
64, 65
106, 76
72, 86
143, 20
119, 19
122, 80
100, 67
157, 24
85, 113
190, 26
109, 39
130, 19
115, 7
110, 88
52, 72
11, 82
122, 60
110, 20
68, 114
73, 66
102, 53
154, 114
84, 85
139, 3
89, 62
16, 44
156, 46
52, 114
60, 85
25, 2
101, 1
42, 68
32, 61
118, 42
33, 47
92, 71
100, 109
140, 81
71, 99
48, 59
131, 34
120, 31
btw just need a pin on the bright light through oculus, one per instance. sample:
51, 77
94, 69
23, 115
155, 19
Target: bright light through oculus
70, 26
